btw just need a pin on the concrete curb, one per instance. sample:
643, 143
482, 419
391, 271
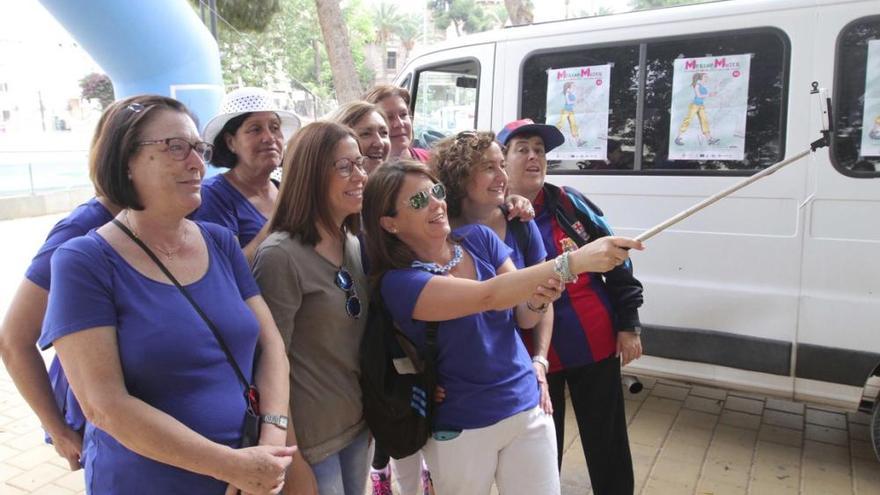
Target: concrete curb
43, 204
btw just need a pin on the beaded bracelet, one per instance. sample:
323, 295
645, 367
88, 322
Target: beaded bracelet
537, 309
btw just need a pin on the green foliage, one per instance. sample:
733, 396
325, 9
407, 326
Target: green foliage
97, 86
285, 50
245, 15
465, 15
408, 30
653, 4
385, 19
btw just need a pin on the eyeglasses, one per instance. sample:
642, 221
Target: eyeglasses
472, 140
180, 148
352, 302
421, 199
345, 166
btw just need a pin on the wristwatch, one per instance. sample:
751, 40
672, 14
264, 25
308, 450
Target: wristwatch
542, 361
277, 420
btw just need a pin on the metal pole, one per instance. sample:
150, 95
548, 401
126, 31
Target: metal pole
723, 194
31, 177
213, 6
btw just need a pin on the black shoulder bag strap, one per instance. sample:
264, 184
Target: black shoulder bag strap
250, 391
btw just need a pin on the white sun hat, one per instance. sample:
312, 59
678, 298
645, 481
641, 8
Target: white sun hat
247, 100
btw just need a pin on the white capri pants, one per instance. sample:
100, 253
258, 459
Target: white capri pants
518, 453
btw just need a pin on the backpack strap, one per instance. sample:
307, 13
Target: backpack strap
520, 232
564, 212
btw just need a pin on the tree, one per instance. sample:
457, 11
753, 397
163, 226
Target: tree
338, 45
520, 11
465, 15
245, 15
654, 4
408, 31
97, 86
291, 51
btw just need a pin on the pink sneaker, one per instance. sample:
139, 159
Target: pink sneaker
381, 480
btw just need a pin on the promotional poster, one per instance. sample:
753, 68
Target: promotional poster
871, 119
577, 104
708, 112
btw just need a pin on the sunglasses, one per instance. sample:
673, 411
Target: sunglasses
421, 199
352, 302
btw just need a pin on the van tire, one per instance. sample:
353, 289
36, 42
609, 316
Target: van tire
875, 428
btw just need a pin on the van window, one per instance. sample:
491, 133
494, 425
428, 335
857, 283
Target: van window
856, 101
640, 101
445, 101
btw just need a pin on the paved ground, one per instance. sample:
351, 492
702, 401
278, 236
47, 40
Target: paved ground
685, 439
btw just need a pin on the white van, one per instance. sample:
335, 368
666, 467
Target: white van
775, 289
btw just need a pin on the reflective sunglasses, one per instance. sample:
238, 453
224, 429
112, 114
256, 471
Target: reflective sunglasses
421, 199
352, 302
345, 166
180, 148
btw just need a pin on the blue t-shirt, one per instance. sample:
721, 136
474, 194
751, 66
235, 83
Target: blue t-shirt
225, 205
87, 216
536, 251
170, 358
481, 362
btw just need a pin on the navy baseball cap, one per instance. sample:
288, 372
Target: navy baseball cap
550, 134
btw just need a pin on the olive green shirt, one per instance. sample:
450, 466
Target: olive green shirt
322, 341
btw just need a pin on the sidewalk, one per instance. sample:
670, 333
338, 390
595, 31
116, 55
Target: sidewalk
685, 439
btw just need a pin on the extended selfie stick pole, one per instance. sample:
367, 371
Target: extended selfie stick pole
824, 105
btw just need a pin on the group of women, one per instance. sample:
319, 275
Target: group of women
173, 297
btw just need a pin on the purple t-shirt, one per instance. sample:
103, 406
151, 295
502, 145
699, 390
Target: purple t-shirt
225, 205
170, 358
87, 216
481, 360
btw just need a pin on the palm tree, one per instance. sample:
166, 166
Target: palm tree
386, 20
520, 11
408, 31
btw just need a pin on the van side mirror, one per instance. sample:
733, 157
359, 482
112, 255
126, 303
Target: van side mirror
465, 82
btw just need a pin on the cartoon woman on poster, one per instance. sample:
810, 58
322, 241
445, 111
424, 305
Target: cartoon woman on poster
569, 100
875, 131
697, 107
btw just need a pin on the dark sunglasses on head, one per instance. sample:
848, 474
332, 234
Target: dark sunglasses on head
421, 199
352, 302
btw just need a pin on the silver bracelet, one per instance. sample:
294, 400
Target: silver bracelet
542, 361
563, 269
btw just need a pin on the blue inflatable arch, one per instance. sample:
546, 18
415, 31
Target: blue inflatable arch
148, 46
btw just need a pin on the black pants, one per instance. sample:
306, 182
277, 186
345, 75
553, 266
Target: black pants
597, 400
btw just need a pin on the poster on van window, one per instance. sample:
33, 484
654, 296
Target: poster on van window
871, 119
577, 104
708, 112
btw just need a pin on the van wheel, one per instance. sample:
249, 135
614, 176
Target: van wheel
875, 428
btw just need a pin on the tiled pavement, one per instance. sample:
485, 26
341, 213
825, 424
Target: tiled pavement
685, 439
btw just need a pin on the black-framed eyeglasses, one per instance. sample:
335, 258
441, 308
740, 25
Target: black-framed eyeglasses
352, 301
345, 166
421, 199
180, 148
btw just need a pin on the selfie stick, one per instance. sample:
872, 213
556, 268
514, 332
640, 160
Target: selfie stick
823, 103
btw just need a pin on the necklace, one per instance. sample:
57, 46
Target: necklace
168, 253
440, 270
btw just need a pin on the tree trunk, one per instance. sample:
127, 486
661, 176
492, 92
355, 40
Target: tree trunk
345, 79
518, 13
